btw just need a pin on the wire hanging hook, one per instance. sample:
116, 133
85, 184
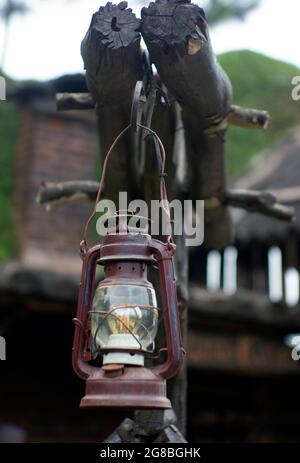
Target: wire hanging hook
161, 159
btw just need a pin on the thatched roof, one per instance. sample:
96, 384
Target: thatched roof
278, 172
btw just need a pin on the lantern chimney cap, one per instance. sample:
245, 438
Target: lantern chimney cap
127, 222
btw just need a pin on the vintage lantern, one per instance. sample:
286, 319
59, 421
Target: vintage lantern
118, 318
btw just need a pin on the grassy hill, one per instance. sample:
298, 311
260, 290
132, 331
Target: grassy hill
258, 82
8, 136
263, 83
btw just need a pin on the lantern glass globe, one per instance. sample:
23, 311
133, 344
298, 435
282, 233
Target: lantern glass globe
124, 322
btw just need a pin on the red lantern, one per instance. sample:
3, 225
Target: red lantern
118, 318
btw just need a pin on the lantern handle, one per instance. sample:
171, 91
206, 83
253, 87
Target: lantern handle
83, 244
161, 159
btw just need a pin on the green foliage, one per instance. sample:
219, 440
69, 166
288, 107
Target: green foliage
262, 83
221, 10
8, 136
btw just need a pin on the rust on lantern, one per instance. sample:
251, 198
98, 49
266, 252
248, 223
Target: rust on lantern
125, 256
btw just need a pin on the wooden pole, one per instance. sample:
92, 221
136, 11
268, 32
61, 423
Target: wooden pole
177, 37
113, 61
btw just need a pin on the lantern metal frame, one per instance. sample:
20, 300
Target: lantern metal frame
105, 386
126, 385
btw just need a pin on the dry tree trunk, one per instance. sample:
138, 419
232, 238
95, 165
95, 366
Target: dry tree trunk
168, 124
113, 61
177, 37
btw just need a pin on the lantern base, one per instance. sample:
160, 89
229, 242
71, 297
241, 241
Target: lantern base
131, 388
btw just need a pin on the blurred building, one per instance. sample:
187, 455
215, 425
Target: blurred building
243, 383
249, 300
40, 394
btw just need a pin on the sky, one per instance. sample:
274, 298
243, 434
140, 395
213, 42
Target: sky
46, 42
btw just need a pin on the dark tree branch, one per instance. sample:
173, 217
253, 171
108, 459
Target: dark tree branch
71, 101
249, 118
177, 37
262, 202
179, 44
113, 61
111, 54
57, 195
178, 40
238, 116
